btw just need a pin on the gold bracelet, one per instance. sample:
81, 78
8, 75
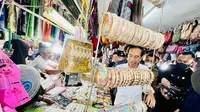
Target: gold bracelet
121, 77
109, 78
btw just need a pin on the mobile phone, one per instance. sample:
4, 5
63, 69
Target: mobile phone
165, 90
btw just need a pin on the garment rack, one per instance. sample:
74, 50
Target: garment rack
181, 24
38, 16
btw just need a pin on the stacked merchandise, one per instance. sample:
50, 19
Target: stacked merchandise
118, 29
182, 39
115, 77
81, 93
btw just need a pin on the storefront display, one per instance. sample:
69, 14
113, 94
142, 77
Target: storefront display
78, 79
76, 57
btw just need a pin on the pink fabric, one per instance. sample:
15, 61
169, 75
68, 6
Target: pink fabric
12, 92
172, 49
8, 109
180, 50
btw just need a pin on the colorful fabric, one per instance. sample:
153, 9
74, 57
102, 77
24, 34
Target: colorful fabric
126, 9
22, 20
3, 18
31, 20
46, 31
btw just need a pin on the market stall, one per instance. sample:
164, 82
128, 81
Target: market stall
75, 35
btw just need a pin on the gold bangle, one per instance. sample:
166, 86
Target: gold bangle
113, 78
109, 79
121, 77
117, 78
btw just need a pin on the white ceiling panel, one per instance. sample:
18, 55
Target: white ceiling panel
175, 12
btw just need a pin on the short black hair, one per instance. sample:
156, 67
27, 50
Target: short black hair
128, 47
155, 57
119, 53
116, 53
188, 53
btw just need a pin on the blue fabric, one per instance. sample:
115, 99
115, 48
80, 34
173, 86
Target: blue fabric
192, 103
2, 19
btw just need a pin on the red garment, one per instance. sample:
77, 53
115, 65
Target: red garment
46, 31
94, 42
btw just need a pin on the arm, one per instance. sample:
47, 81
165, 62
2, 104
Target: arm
52, 72
149, 97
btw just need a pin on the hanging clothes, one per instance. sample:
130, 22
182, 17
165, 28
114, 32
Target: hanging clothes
3, 18
31, 19
126, 9
46, 31
61, 37
38, 31
55, 31
12, 17
114, 6
137, 12
22, 19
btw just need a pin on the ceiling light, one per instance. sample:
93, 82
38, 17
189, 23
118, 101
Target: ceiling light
55, 17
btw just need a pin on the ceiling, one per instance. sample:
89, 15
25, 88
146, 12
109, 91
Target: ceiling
175, 12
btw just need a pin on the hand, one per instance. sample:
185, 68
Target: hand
48, 101
164, 95
150, 100
165, 82
177, 110
9, 53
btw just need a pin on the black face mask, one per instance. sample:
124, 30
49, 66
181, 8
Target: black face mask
181, 66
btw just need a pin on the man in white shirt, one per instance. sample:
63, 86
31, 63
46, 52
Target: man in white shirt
131, 94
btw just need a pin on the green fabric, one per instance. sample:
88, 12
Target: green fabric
38, 25
31, 20
9, 39
177, 35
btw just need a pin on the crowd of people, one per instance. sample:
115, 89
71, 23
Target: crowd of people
173, 87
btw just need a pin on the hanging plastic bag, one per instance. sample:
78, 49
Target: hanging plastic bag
13, 95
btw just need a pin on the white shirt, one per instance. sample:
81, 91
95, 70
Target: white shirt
131, 94
39, 63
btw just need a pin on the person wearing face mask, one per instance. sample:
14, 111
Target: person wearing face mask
192, 102
151, 61
175, 83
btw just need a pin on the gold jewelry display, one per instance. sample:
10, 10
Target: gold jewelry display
76, 57
118, 29
117, 77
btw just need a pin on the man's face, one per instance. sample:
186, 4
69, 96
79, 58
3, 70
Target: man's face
134, 57
185, 59
149, 59
115, 58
